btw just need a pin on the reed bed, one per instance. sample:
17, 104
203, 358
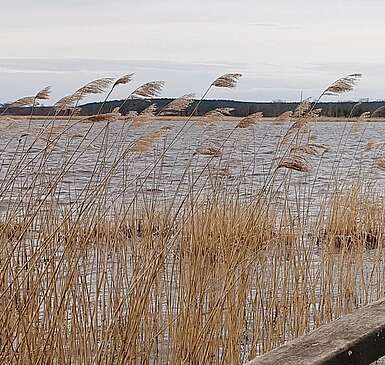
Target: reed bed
109, 267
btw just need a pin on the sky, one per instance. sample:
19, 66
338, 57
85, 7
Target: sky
282, 47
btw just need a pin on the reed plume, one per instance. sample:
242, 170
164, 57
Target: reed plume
209, 151
108, 117
217, 114
65, 103
312, 149
25, 101
284, 117
43, 94
125, 79
178, 105
149, 89
250, 120
371, 145
302, 109
144, 143
94, 87
380, 163
144, 116
296, 163
228, 80
342, 85
298, 126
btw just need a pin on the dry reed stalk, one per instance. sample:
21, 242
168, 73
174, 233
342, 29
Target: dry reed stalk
378, 111
25, 101
299, 126
354, 221
213, 280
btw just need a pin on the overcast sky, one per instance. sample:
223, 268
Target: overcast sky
280, 46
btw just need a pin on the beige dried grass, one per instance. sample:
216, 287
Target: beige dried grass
178, 105
250, 120
297, 163
149, 89
229, 80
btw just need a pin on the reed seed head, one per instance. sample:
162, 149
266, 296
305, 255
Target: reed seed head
125, 79
296, 163
228, 80
108, 117
26, 101
149, 89
342, 85
178, 105
250, 120
94, 87
43, 94
209, 151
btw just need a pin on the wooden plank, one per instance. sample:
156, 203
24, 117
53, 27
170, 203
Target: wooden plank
355, 339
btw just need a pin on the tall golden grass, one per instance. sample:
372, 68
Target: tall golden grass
201, 276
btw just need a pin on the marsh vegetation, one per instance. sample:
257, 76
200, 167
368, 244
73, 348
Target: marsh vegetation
126, 240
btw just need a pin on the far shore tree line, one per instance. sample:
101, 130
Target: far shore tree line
241, 108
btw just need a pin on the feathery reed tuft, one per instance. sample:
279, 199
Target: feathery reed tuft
108, 117
228, 80
125, 79
250, 120
144, 143
379, 162
302, 109
296, 163
284, 117
149, 89
342, 85
43, 94
146, 115
94, 87
178, 105
209, 151
25, 101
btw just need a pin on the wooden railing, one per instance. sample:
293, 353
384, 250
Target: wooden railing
355, 339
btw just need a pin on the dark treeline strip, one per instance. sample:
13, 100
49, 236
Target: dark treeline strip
241, 108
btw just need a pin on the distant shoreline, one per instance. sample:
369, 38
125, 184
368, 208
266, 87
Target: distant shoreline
10, 118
